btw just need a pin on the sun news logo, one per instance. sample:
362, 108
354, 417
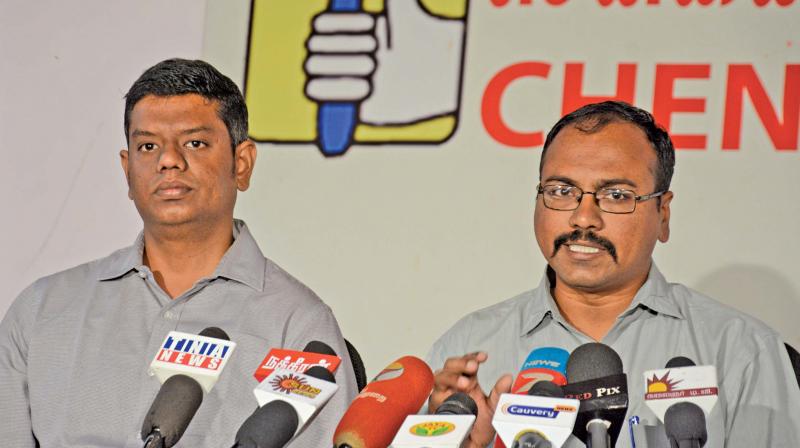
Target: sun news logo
355, 72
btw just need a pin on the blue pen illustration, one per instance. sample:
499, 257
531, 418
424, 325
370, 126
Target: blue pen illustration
336, 121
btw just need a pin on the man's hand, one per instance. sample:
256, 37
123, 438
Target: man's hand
461, 375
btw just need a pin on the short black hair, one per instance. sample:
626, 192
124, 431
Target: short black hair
594, 117
182, 77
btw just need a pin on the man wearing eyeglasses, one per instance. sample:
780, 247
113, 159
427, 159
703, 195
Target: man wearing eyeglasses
602, 203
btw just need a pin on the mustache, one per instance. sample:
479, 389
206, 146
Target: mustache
588, 235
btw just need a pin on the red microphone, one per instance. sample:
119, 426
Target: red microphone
376, 414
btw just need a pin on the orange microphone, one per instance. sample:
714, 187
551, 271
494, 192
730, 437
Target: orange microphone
377, 412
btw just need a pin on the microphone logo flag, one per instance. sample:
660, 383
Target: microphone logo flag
432, 429
665, 387
295, 361
193, 350
293, 384
535, 411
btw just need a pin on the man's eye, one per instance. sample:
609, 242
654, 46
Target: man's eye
147, 147
195, 144
617, 195
560, 191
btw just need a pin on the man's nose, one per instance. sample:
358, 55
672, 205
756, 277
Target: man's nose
588, 214
171, 157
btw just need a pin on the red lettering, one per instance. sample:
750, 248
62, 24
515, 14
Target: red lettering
741, 78
492, 102
665, 104
573, 87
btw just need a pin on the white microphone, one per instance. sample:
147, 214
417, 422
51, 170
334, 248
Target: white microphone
306, 391
186, 365
447, 428
694, 384
542, 419
200, 357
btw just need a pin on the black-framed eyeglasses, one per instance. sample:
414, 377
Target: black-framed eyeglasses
610, 200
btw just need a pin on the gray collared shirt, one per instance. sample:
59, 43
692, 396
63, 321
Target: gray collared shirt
759, 398
75, 348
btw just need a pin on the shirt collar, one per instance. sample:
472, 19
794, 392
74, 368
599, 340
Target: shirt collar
243, 261
654, 295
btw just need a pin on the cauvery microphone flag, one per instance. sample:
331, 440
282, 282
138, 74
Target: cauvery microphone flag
542, 364
186, 365
543, 418
376, 414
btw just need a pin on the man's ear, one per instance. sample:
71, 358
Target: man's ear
123, 159
244, 160
663, 210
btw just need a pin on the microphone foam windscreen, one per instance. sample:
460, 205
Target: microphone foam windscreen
270, 426
173, 408
592, 360
215, 332
377, 412
458, 403
319, 347
679, 361
685, 421
321, 373
546, 389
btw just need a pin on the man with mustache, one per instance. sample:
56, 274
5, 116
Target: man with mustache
602, 204
75, 347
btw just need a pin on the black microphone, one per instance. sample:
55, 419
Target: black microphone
458, 403
595, 377
685, 424
679, 361
545, 388
275, 423
175, 405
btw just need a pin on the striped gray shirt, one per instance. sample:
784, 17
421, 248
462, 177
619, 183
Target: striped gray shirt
759, 398
75, 348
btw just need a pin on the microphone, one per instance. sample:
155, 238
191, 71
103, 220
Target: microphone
304, 392
676, 393
447, 428
377, 412
685, 424
186, 365
276, 422
542, 364
595, 377
541, 419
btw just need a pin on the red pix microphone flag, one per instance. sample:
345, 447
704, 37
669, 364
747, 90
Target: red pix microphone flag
295, 361
375, 415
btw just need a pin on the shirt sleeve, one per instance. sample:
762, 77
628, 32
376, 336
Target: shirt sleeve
15, 426
766, 411
318, 323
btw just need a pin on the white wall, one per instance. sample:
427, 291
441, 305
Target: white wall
400, 241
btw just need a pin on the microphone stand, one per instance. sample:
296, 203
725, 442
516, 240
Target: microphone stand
154, 440
598, 434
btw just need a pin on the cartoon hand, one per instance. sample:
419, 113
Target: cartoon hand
341, 52
404, 64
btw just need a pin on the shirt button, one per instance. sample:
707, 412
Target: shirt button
169, 315
142, 274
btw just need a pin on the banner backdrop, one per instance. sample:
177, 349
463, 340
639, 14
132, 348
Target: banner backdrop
400, 147
421, 211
